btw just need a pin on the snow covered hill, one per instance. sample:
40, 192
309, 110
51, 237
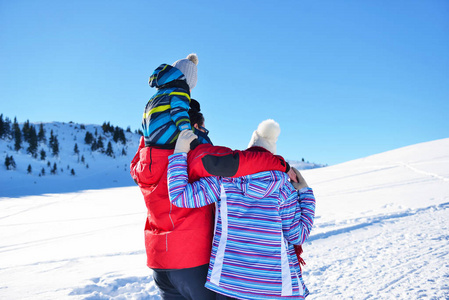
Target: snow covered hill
381, 232
92, 169
87, 169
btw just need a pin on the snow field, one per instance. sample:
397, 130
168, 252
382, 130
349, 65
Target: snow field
381, 232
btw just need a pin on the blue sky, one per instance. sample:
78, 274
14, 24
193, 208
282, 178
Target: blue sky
344, 79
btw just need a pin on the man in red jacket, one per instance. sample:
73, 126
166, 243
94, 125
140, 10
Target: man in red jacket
178, 241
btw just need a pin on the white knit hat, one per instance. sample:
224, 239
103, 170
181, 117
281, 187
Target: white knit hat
188, 67
266, 135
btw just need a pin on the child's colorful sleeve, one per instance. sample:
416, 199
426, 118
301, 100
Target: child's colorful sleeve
180, 103
189, 195
297, 214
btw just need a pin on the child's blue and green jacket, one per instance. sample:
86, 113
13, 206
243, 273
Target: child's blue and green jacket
166, 113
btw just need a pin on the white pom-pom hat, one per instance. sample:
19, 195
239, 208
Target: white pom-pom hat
266, 135
188, 67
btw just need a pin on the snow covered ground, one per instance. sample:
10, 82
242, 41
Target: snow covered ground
381, 232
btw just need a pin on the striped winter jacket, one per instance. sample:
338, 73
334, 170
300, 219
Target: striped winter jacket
166, 114
259, 218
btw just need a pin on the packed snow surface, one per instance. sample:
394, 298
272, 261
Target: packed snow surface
381, 232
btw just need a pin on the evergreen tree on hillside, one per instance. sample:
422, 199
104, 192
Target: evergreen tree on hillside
29, 169
109, 151
54, 169
41, 135
17, 135
26, 131
7, 162
10, 163
107, 127
75, 149
7, 128
43, 154
99, 144
88, 138
54, 144
32, 140
119, 135
2, 127
94, 145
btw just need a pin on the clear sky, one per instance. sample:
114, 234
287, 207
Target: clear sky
344, 79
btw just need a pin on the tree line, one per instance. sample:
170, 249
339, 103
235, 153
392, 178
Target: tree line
35, 135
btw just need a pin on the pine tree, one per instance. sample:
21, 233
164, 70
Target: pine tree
119, 135
26, 131
75, 149
7, 128
107, 127
41, 134
7, 162
52, 138
32, 140
13, 163
72, 172
43, 172
109, 151
100, 144
29, 169
56, 147
54, 169
82, 159
17, 135
54, 144
2, 127
88, 138
43, 154
10, 163
94, 146
115, 137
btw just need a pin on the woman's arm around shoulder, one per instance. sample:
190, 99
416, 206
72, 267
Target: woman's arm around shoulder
189, 195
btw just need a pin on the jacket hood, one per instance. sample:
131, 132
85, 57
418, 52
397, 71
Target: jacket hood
165, 74
260, 185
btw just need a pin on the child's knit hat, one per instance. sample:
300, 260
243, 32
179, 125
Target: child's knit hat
188, 67
266, 135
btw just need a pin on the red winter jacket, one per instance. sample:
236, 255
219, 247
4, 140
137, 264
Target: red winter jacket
177, 238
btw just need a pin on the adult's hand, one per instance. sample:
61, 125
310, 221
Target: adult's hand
301, 182
292, 175
184, 140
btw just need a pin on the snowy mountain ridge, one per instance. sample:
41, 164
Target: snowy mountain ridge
79, 165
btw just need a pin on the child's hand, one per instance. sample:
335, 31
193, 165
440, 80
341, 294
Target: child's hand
184, 140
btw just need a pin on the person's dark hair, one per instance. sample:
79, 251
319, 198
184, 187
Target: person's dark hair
194, 113
195, 105
196, 117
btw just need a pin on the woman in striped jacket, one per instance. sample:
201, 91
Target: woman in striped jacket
259, 219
